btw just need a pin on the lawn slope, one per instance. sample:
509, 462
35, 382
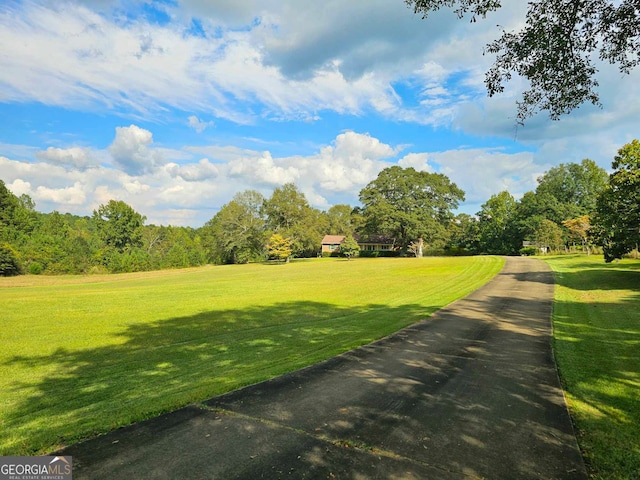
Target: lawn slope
597, 343
83, 355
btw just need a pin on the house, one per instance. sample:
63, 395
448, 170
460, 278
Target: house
371, 243
376, 243
331, 243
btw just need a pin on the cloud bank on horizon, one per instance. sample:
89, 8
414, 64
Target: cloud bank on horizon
175, 105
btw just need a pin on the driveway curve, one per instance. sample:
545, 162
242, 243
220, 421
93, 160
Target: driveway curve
471, 392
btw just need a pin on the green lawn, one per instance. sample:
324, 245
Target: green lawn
83, 355
597, 342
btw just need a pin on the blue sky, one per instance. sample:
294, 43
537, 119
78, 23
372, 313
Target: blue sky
174, 106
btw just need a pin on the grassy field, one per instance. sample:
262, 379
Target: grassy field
597, 342
83, 355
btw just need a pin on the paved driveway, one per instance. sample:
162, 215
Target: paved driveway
471, 392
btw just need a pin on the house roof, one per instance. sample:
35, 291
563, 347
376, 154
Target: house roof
332, 239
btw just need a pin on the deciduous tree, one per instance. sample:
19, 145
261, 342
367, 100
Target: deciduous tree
407, 204
236, 234
579, 229
289, 214
279, 247
349, 247
575, 185
342, 220
464, 234
119, 225
9, 264
617, 222
556, 48
496, 225
548, 234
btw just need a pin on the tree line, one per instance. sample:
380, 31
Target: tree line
574, 204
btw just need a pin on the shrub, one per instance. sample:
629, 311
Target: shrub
9, 264
528, 251
457, 251
35, 268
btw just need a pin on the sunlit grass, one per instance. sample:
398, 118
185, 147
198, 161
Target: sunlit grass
82, 355
597, 343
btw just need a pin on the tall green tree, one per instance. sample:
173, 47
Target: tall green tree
9, 205
464, 234
9, 263
555, 48
575, 185
579, 228
286, 208
534, 207
548, 235
119, 225
496, 225
342, 220
408, 204
17, 215
617, 221
61, 244
288, 213
237, 233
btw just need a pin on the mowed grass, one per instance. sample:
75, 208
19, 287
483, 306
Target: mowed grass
83, 355
597, 344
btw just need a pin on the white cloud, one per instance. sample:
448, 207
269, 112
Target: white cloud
203, 170
287, 65
198, 125
419, 161
74, 157
262, 170
194, 190
74, 195
130, 150
19, 187
484, 172
354, 147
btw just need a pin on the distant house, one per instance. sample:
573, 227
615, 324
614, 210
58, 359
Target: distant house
371, 243
376, 243
543, 249
331, 243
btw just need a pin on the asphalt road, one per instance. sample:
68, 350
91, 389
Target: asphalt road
471, 392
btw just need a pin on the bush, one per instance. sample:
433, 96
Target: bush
379, 253
434, 252
389, 253
457, 251
528, 251
9, 265
35, 268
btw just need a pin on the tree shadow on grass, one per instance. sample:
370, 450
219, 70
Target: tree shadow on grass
463, 394
160, 366
598, 352
468, 391
590, 276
